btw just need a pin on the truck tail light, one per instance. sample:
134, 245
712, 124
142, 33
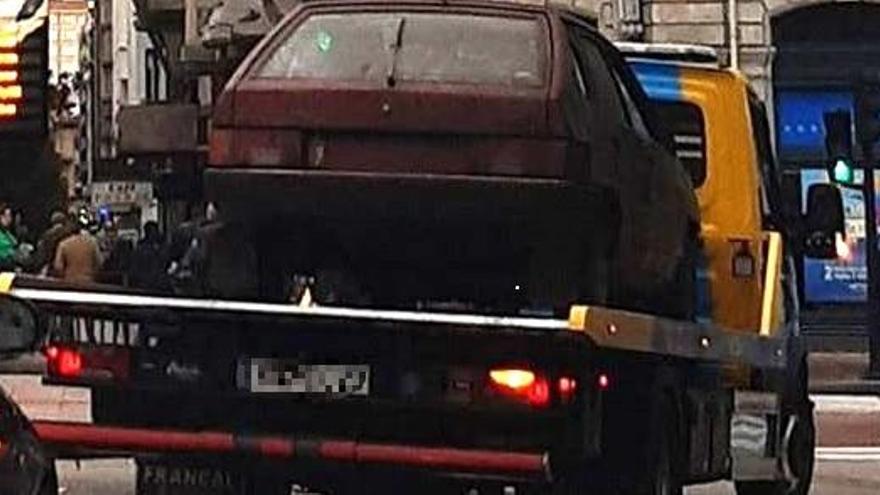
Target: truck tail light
522, 384
98, 363
236, 147
64, 362
567, 388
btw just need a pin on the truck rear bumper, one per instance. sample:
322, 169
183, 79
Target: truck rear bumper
83, 438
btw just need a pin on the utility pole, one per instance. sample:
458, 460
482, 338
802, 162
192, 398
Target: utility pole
871, 259
867, 123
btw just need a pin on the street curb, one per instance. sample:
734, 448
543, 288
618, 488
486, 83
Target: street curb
846, 404
848, 454
855, 387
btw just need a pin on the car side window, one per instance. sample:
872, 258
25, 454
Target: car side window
636, 120
597, 76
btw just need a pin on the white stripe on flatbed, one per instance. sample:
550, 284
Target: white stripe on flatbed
139, 301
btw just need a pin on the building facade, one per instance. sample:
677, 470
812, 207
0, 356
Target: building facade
66, 21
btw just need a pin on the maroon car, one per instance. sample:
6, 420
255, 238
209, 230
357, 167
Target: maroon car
461, 154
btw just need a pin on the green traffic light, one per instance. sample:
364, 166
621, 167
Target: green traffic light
843, 172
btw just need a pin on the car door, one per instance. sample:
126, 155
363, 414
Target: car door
657, 201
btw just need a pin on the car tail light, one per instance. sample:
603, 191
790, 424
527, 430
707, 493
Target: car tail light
522, 384
258, 148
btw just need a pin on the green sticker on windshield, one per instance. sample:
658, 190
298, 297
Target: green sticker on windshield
324, 41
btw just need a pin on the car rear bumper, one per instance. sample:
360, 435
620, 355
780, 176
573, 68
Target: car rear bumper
357, 194
83, 438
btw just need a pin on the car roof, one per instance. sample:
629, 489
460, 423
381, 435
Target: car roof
515, 5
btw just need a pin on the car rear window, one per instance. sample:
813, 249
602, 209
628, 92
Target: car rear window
423, 47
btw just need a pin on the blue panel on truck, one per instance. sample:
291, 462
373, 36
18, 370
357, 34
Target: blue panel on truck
661, 81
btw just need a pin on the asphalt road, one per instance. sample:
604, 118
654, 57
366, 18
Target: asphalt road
116, 477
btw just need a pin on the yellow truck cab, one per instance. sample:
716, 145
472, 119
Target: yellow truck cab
720, 133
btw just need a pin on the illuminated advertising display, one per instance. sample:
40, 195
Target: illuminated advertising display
801, 141
23, 72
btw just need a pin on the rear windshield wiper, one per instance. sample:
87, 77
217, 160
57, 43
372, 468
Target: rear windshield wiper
391, 77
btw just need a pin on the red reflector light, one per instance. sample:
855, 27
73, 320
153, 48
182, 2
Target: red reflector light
567, 385
604, 382
51, 352
523, 384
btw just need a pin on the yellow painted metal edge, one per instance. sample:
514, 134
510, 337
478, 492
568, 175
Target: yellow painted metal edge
6, 280
771, 282
577, 318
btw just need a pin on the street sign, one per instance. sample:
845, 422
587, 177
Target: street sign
121, 193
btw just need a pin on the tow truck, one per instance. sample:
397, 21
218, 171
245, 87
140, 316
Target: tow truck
325, 388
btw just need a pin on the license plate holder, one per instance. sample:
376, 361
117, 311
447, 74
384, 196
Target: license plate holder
270, 375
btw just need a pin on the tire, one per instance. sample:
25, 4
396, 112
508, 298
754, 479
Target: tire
801, 458
645, 457
802, 452
661, 477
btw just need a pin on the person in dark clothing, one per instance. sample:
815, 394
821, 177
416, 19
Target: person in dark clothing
60, 229
147, 270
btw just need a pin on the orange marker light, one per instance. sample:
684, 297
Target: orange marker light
8, 110
7, 76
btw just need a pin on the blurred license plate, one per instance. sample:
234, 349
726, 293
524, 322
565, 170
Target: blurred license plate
280, 376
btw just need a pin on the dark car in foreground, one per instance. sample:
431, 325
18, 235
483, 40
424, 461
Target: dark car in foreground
26, 468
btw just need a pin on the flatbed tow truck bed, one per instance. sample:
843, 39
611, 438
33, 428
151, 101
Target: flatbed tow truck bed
746, 371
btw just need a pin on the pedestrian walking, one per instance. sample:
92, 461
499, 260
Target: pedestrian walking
61, 227
147, 268
77, 258
8, 241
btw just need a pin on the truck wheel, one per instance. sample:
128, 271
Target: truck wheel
661, 478
802, 447
802, 458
